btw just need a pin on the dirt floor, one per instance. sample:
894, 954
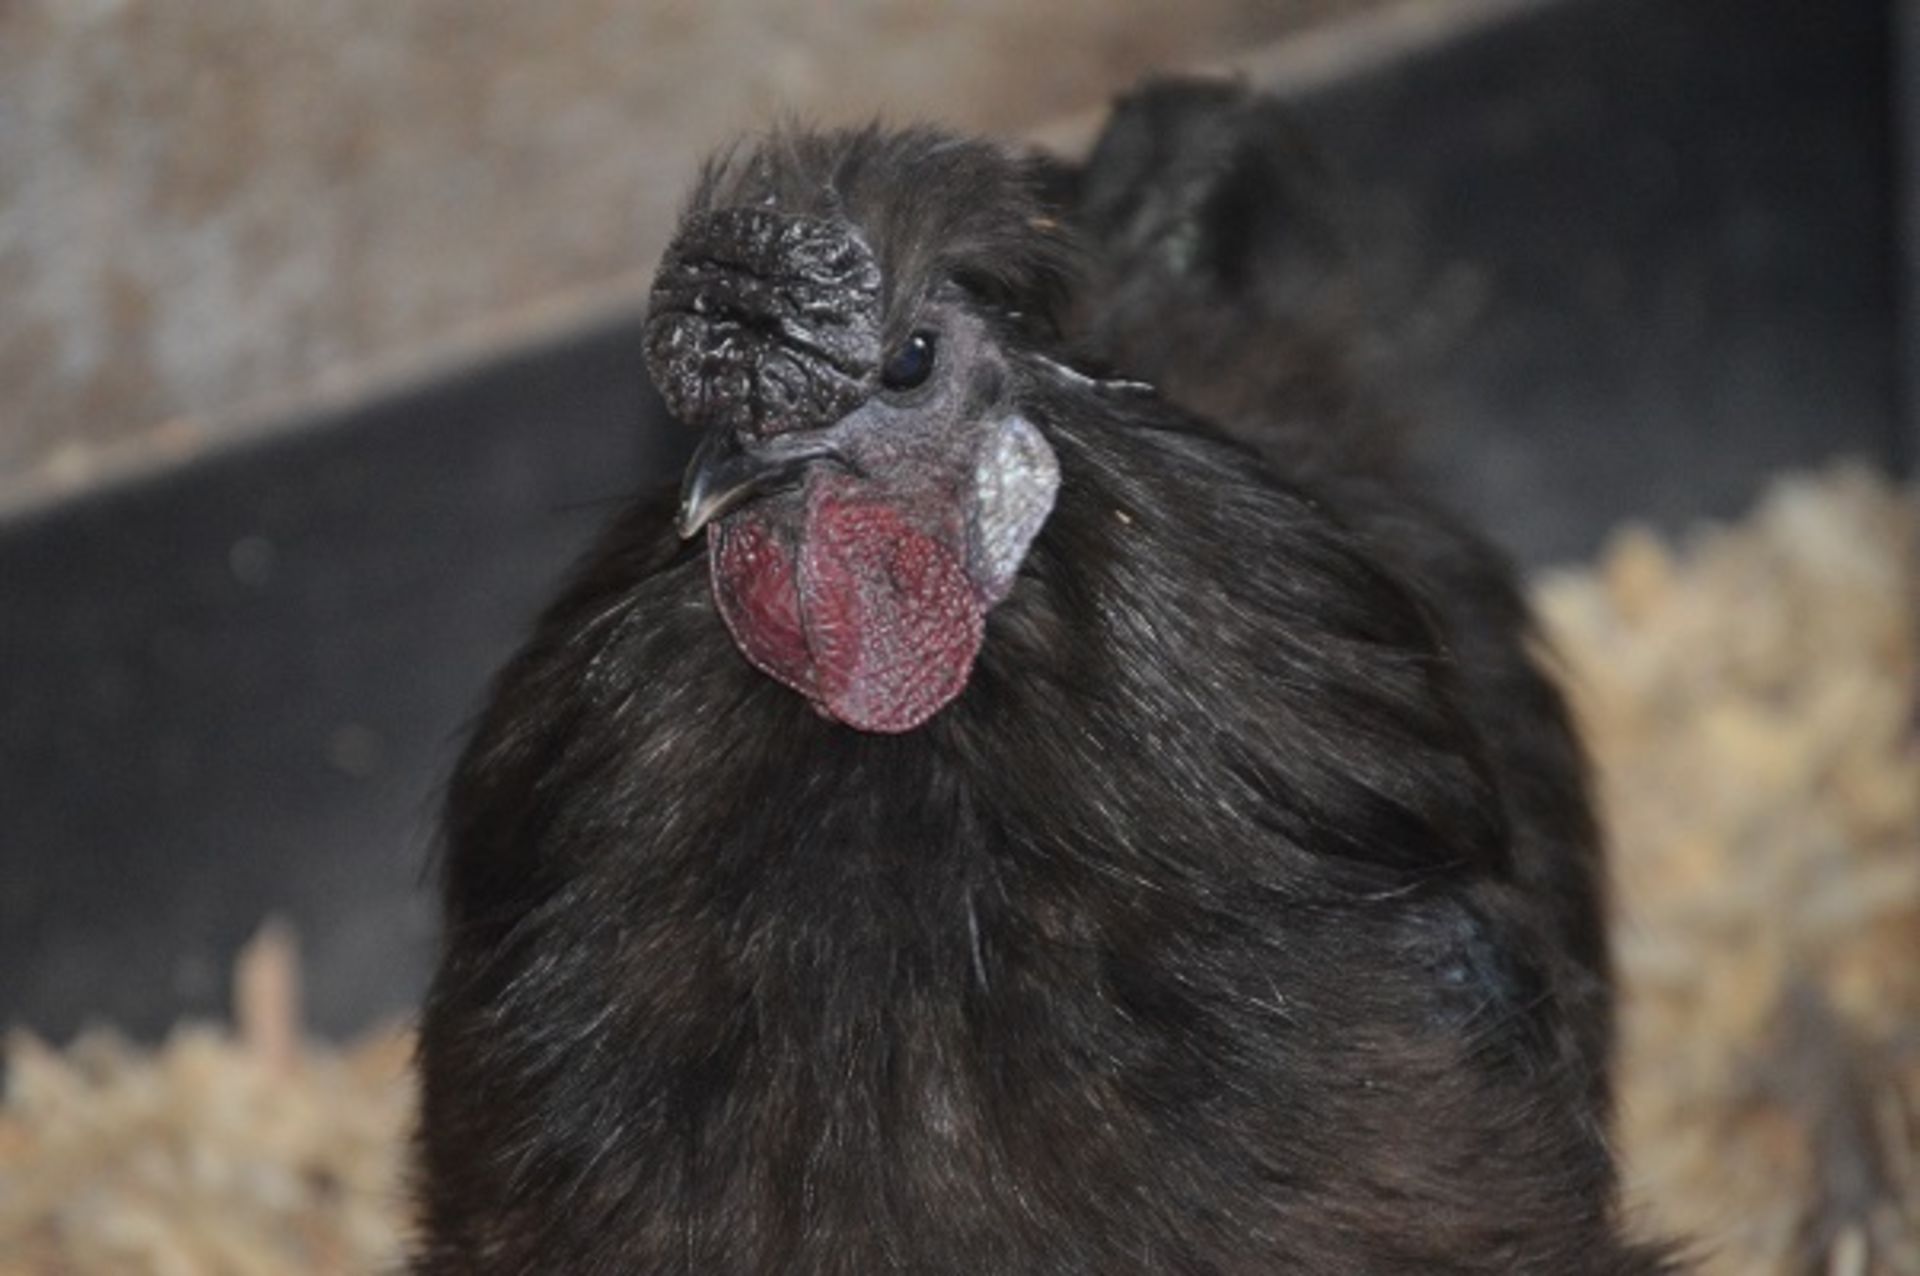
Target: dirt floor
1750, 697
224, 207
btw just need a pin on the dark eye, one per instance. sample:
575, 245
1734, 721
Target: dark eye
911, 364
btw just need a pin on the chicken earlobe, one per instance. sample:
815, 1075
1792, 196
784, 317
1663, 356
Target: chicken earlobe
1015, 481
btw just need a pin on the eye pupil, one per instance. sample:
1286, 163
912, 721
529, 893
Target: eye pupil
911, 364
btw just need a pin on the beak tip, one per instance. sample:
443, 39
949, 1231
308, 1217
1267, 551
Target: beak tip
723, 475
689, 518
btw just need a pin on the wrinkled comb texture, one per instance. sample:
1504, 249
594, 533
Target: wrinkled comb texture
764, 320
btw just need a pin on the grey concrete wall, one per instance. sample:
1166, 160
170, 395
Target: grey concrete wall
209, 210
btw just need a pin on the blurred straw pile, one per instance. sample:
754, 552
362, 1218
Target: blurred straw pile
1751, 701
1750, 697
226, 1152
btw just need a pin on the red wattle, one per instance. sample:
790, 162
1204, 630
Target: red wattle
892, 620
871, 618
754, 583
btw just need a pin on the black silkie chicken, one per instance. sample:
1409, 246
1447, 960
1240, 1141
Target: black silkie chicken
996, 822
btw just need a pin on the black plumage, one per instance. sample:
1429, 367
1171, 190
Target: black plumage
1237, 913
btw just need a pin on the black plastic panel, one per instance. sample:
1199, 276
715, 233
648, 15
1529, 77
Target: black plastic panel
1641, 256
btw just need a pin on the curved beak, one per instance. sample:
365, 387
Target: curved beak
727, 471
